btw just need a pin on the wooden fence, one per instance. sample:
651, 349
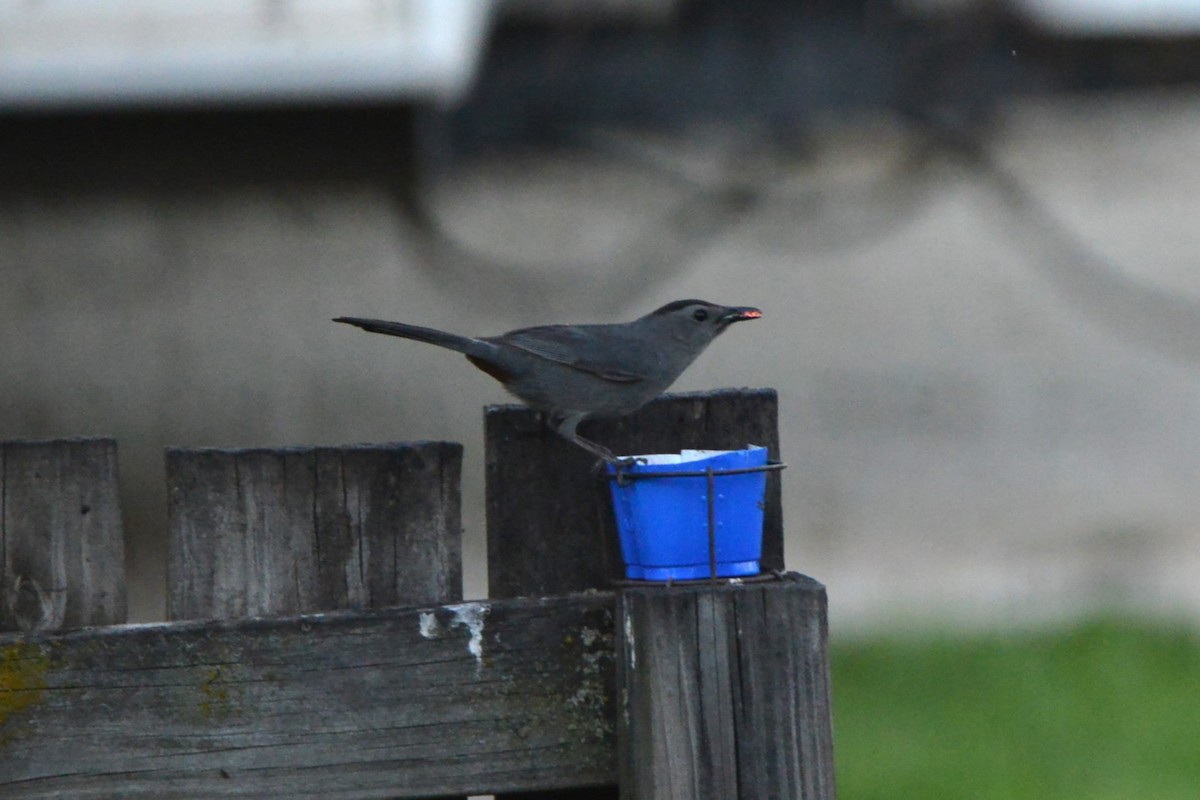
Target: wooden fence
319, 647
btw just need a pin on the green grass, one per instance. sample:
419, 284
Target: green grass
1106, 710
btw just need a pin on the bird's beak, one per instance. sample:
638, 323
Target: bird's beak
741, 313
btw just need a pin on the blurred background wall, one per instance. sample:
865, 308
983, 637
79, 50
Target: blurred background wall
971, 227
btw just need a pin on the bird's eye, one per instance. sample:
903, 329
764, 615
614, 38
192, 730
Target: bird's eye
700, 314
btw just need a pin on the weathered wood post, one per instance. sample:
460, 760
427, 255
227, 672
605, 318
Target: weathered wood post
724, 691
287, 531
61, 547
549, 517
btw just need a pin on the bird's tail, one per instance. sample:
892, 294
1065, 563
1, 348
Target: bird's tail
451, 341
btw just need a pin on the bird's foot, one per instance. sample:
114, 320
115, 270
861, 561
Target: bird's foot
625, 462
621, 466
619, 463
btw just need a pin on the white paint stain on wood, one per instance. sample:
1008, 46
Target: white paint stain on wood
471, 617
467, 615
429, 625
630, 648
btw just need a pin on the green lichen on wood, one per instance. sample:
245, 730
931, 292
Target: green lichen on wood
217, 702
23, 669
594, 651
220, 680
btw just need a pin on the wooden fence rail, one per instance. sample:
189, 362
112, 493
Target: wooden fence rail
318, 648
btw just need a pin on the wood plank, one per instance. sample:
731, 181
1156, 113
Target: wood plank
725, 691
550, 526
294, 530
461, 699
62, 561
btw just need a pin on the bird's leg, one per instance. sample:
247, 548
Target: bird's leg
565, 428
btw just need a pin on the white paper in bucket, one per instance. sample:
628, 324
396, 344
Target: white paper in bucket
682, 457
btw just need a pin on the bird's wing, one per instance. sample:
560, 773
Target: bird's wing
572, 345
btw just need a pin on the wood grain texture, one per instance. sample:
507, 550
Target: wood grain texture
725, 692
550, 524
259, 532
461, 699
62, 562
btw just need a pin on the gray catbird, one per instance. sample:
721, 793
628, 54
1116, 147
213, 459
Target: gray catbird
576, 372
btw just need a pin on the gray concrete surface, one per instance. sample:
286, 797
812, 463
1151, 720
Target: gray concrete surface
983, 424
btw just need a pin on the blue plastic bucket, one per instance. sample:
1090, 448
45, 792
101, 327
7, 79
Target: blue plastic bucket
663, 522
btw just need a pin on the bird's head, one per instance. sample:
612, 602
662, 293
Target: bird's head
699, 319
